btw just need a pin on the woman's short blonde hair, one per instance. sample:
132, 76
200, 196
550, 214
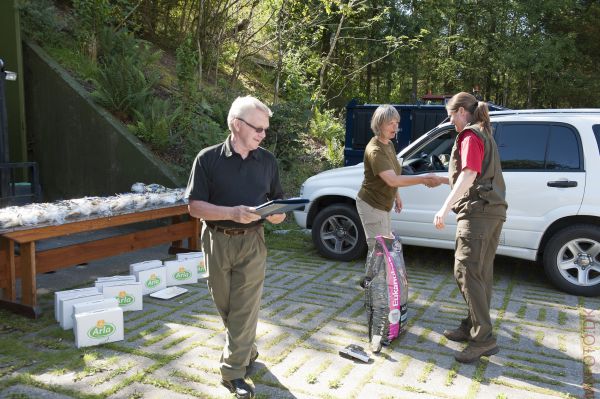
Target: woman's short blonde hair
383, 114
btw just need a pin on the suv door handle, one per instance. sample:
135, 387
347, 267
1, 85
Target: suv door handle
562, 183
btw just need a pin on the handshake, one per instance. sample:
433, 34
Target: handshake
431, 180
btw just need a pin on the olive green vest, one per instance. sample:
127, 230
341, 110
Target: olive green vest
486, 197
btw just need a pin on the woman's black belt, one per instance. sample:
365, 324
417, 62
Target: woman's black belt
232, 231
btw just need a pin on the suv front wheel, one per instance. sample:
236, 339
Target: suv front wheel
338, 234
572, 260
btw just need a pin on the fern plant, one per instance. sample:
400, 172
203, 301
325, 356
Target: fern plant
155, 123
124, 82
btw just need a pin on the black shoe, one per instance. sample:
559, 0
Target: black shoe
239, 387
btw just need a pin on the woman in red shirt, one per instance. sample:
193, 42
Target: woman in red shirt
477, 198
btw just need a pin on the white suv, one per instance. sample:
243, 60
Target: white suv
551, 165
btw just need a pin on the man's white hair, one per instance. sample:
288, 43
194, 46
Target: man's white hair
242, 106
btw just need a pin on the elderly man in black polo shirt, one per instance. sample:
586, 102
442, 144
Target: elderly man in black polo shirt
227, 181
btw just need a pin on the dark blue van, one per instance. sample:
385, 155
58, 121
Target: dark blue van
415, 120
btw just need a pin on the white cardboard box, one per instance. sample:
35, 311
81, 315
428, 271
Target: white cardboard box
199, 256
60, 294
66, 307
99, 327
128, 294
184, 271
100, 283
110, 279
99, 304
145, 265
153, 279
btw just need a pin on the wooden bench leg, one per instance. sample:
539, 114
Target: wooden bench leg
178, 243
7, 267
28, 282
194, 240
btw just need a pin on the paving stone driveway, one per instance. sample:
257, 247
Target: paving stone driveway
311, 308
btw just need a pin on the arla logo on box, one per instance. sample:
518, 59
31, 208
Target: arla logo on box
153, 281
125, 299
182, 274
101, 330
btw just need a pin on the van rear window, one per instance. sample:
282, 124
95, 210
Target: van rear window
597, 134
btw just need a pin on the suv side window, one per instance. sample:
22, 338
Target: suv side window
596, 129
535, 146
563, 149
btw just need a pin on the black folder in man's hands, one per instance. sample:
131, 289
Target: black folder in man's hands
280, 206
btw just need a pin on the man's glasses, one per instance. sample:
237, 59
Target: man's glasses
257, 129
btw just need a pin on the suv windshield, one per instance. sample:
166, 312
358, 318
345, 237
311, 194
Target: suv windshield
433, 155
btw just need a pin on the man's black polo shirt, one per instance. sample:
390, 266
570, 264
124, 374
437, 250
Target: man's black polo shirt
221, 177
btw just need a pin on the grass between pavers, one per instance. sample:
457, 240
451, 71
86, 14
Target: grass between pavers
427, 370
50, 341
534, 389
588, 376
539, 370
452, 373
516, 334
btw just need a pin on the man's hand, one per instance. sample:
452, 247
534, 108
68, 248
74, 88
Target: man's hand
276, 218
244, 214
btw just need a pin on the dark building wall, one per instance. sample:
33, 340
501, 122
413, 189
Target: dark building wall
10, 52
81, 149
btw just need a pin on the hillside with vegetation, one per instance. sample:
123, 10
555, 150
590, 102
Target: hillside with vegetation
169, 69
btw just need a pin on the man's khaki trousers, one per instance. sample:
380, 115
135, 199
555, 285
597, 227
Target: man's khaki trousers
236, 267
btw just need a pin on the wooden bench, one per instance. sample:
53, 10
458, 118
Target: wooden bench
30, 262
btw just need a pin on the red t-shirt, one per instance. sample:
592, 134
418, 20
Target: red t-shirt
470, 150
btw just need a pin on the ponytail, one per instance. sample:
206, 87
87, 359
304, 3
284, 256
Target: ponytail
478, 109
481, 116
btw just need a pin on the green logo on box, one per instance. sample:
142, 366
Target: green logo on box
101, 330
153, 281
182, 274
125, 299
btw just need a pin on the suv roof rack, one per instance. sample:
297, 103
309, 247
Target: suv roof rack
547, 111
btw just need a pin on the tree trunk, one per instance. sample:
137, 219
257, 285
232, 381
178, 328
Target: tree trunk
200, 29
368, 83
323, 71
414, 70
529, 89
280, 19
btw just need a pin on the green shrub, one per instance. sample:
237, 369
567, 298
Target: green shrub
125, 82
187, 66
154, 124
41, 21
91, 16
75, 61
287, 126
95, 17
327, 128
200, 132
122, 87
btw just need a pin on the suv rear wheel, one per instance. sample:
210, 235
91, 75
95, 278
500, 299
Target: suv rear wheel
338, 234
572, 260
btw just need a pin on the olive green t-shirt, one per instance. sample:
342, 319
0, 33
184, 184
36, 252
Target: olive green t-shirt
374, 191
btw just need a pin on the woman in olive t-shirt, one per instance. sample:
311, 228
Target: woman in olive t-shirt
379, 190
